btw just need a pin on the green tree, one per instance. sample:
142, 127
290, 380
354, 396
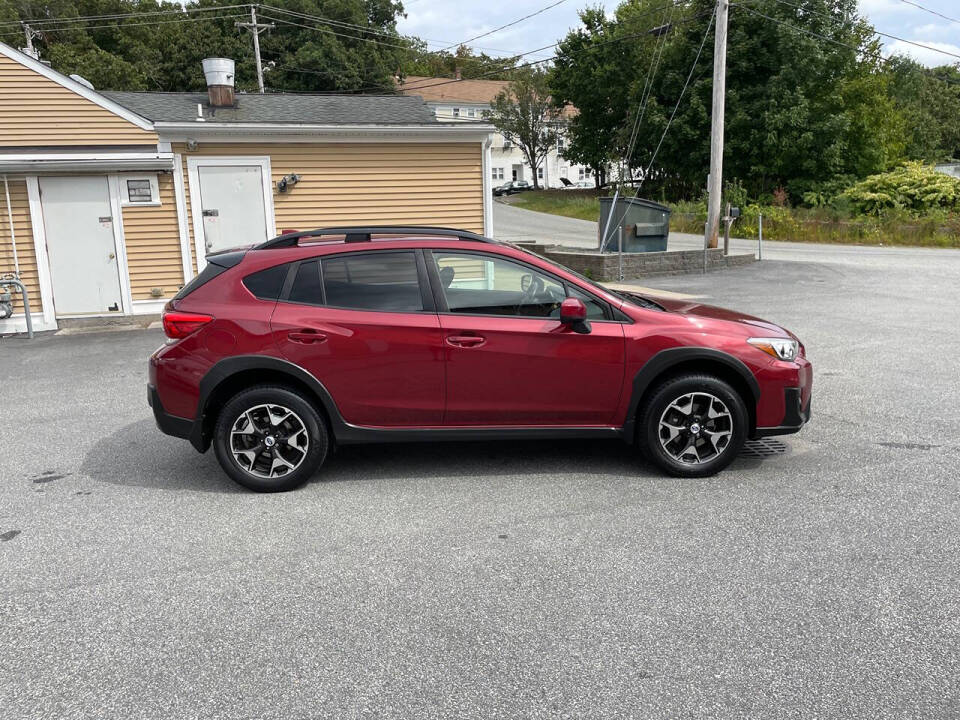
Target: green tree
163, 52
929, 101
806, 97
523, 114
470, 64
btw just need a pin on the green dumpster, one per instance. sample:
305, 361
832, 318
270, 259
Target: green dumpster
645, 225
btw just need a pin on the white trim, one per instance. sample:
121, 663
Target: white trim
265, 133
18, 324
66, 155
40, 251
116, 210
193, 174
149, 307
487, 188
78, 88
179, 193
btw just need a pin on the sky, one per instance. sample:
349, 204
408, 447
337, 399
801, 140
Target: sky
448, 22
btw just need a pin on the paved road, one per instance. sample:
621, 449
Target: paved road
513, 223
534, 580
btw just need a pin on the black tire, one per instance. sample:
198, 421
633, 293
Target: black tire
712, 430
255, 400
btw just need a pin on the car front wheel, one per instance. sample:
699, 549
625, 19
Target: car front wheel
270, 439
693, 425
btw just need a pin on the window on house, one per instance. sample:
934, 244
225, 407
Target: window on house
539, 173
456, 112
498, 173
507, 144
471, 112
560, 143
584, 173
139, 190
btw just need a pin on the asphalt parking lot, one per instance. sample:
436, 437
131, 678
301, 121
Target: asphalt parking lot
512, 580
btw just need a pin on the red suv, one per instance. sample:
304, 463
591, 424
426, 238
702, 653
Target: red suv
280, 352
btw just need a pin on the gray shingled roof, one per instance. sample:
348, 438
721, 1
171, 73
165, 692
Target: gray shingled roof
281, 108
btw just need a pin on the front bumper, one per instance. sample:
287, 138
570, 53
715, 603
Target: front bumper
795, 416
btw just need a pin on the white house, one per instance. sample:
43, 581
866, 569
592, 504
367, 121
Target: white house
464, 101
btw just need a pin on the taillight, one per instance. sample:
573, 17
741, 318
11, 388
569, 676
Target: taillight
178, 324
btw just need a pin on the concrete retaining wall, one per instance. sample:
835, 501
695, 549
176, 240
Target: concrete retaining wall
603, 267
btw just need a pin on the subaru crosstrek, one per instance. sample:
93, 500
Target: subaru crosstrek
280, 352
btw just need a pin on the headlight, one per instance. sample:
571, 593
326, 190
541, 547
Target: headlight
780, 348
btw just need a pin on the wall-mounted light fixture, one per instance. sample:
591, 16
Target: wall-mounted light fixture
287, 182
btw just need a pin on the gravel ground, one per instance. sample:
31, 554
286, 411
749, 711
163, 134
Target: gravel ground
533, 579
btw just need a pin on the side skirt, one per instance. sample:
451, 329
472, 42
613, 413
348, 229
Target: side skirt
347, 434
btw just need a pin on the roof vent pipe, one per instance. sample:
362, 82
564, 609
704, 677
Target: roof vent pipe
219, 75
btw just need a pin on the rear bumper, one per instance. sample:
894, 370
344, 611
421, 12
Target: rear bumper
169, 424
795, 416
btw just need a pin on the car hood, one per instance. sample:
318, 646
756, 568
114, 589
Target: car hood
688, 307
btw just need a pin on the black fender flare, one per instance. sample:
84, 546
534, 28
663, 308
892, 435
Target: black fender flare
671, 357
224, 369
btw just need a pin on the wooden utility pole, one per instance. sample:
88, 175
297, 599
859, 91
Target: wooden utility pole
255, 29
715, 188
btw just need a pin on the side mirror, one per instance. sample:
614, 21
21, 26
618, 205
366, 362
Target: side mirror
573, 313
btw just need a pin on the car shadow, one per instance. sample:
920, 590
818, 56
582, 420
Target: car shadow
138, 455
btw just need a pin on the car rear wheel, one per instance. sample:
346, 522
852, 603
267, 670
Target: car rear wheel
270, 439
693, 426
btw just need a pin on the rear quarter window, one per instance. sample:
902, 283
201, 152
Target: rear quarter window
267, 284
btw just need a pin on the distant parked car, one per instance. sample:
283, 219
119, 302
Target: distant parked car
580, 185
512, 187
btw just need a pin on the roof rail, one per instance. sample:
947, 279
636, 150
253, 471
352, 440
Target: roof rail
363, 233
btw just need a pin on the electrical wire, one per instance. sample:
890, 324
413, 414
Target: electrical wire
12, 33
41, 22
932, 12
875, 32
876, 56
509, 24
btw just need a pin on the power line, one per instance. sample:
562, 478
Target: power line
354, 26
875, 32
877, 56
932, 12
338, 34
509, 24
117, 26
116, 16
631, 36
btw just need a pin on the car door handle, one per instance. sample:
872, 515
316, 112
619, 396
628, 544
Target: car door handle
466, 341
307, 337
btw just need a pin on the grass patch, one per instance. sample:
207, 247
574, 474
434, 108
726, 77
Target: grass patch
580, 204
816, 225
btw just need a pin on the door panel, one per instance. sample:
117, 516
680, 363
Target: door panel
233, 206
382, 369
531, 371
78, 225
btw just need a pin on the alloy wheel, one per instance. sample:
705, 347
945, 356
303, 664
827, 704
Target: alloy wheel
695, 428
269, 441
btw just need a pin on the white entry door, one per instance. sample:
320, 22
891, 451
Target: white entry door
233, 206
78, 224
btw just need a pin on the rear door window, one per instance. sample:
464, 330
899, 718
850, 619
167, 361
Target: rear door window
385, 281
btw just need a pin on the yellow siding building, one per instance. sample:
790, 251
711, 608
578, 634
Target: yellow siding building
112, 200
